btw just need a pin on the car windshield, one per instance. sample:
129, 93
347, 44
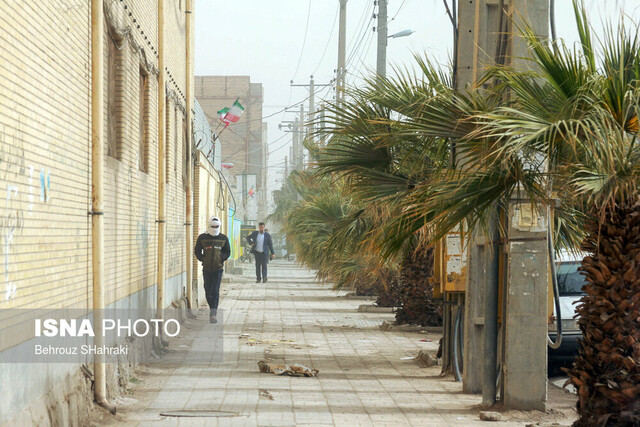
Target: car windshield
570, 280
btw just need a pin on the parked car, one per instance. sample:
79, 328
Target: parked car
570, 282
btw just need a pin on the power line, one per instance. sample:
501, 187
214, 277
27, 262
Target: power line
335, 19
361, 21
304, 41
398, 11
357, 73
363, 35
277, 112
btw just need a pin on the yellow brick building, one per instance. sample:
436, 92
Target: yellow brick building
45, 165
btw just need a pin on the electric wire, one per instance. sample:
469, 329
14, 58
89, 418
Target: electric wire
361, 22
361, 33
256, 150
357, 72
398, 11
356, 52
335, 19
304, 41
295, 104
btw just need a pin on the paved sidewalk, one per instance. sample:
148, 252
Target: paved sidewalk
366, 377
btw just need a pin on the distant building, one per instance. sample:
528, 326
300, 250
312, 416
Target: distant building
242, 144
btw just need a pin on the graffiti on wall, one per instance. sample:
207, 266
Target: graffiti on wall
12, 167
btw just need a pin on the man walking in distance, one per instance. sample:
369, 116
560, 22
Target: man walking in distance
261, 246
212, 250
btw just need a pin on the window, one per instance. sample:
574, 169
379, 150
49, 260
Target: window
570, 279
185, 153
143, 113
175, 143
167, 139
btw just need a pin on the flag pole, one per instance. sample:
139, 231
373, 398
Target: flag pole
215, 138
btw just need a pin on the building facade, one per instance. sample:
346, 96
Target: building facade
242, 144
46, 100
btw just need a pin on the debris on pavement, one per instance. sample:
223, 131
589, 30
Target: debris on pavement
426, 360
295, 370
386, 326
264, 394
490, 416
254, 341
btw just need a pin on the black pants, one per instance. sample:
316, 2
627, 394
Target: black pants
262, 258
212, 281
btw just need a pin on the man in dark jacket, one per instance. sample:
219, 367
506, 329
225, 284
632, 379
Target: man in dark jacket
212, 250
261, 246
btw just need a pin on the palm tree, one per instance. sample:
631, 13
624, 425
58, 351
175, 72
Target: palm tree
565, 136
580, 117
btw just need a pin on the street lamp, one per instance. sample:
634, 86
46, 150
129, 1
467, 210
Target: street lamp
381, 63
404, 33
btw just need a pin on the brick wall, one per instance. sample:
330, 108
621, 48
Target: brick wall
44, 154
45, 160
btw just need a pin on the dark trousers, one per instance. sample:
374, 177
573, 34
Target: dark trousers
212, 281
262, 258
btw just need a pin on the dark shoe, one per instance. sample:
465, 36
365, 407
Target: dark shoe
257, 280
264, 280
213, 320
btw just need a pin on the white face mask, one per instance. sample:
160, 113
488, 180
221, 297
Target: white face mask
213, 222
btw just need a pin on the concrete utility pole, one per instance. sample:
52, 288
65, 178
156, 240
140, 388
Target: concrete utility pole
523, 330
381, 63
301, 137
312, 98
296, 143
291, 165
342, 48
312, 105
286, 170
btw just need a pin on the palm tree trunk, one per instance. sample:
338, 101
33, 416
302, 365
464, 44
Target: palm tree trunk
607, 370
416, 291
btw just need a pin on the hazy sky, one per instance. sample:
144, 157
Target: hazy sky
275, 42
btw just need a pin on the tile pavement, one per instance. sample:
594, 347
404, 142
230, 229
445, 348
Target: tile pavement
363, 379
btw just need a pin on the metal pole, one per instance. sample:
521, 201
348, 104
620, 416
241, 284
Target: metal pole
97, 204
381, 65
244, 194
342, 47
162, 163
188, 142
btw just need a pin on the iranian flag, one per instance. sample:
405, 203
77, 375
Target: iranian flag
223, 112
231, 115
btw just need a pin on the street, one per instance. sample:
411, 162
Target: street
367, 376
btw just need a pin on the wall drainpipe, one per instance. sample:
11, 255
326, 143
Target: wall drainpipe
97, 204
188, 163
161, 163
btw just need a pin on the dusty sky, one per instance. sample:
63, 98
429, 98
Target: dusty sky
275, 42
